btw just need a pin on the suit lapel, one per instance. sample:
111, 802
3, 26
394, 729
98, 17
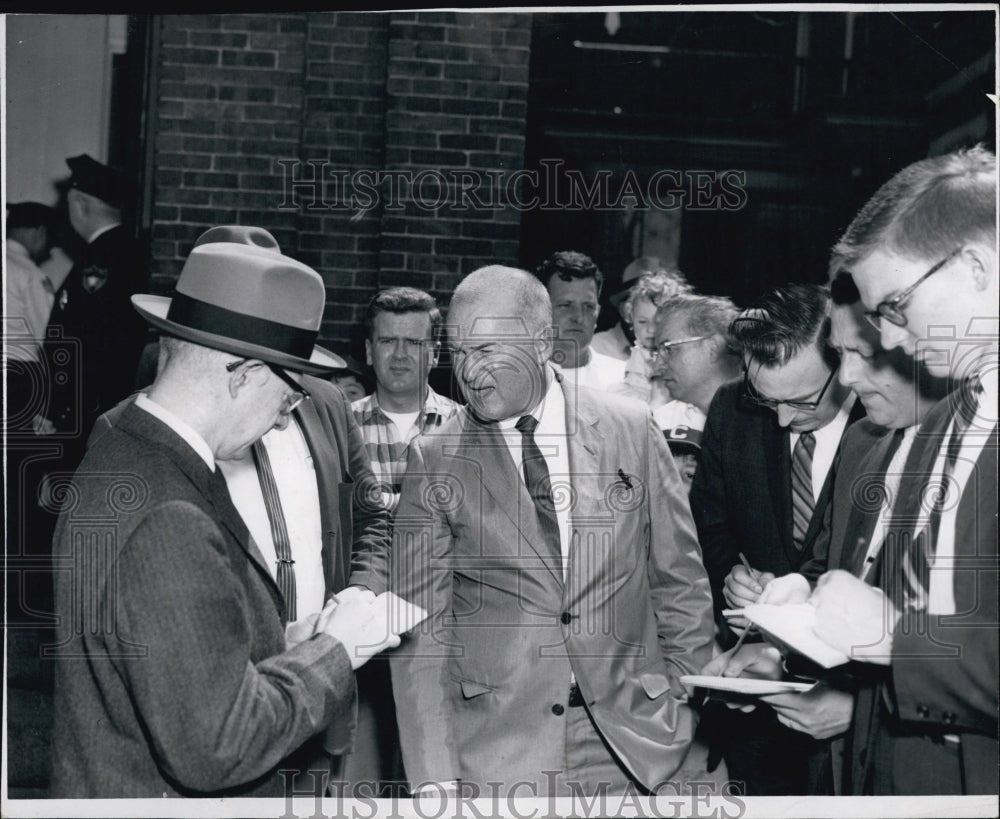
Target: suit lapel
779, 465
319, 441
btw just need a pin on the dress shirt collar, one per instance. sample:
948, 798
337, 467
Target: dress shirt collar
101, 231
185, 431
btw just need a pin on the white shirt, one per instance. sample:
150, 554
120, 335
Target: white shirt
187, 432
406, 423
550, 436
941, 594
827, 444
295, 477
28, 299
599, 373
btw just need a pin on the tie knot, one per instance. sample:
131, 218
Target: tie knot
808, 440
527, 424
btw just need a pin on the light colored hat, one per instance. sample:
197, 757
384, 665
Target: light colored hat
631, 274
238, 293
682, 424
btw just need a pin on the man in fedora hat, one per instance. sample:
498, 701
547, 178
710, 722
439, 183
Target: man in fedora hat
173, 673
94, 338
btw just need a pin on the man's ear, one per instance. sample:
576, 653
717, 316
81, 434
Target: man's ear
368, 352
239, 377
543, 342
435, 353
982, 262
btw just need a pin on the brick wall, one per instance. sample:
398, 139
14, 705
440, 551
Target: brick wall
249, 104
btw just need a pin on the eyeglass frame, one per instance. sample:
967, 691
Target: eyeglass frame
668, 346
754, 397
299, 393
891, 309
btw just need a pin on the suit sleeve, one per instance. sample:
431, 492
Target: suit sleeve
369, 529
944, 668
678, 582
710, 505
421, 573
215, 718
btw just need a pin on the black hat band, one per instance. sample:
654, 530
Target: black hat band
210, 318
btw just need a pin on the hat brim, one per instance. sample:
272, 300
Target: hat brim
154, 310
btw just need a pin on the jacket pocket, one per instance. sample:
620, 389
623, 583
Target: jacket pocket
654, 680
472, 689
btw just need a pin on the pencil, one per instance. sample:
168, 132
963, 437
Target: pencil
746, 565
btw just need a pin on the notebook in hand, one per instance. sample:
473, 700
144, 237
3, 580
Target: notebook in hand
792, 625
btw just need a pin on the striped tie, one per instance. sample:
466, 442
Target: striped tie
536, 478
279, 531
802, 493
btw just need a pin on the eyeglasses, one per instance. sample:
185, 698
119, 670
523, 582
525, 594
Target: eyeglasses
299, 393
891, 309
771, 403
664, 347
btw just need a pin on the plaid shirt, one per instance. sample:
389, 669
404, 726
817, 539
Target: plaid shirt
386, 450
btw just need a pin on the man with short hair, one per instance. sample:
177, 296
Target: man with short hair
873, 456
547, 532
173, 674
691, 352
402, 348
923, 252
574, 282
767, 457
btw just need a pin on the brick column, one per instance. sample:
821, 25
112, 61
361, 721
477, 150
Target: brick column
456, 105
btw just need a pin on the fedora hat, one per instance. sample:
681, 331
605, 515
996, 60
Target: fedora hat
239, 294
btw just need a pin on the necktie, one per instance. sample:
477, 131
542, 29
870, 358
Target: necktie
908, 570
968, 400
279, 531
802, 493
536, 478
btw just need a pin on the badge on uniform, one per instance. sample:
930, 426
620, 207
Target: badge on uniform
94, 278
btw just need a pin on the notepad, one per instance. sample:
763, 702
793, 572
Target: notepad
746, 685
792, 624
403, 616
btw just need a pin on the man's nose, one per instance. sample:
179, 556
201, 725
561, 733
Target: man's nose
786, 415
893, 336
849, 371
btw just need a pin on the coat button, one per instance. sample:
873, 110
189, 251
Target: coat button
948, 717
565, 618
557, 709
923, 711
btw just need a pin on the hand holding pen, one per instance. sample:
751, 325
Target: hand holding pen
743, 586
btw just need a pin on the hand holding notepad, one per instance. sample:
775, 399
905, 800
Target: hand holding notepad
791, 625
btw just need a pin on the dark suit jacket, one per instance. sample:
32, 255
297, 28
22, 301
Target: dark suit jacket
943, 674
93, 357
480, 690
354, 522
170, 670
741, 497
848, 527
859, 486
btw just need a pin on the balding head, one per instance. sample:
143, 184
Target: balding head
499, 332
497, 291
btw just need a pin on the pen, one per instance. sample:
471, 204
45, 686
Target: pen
746, 565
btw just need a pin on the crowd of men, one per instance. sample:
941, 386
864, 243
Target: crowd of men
583, 529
